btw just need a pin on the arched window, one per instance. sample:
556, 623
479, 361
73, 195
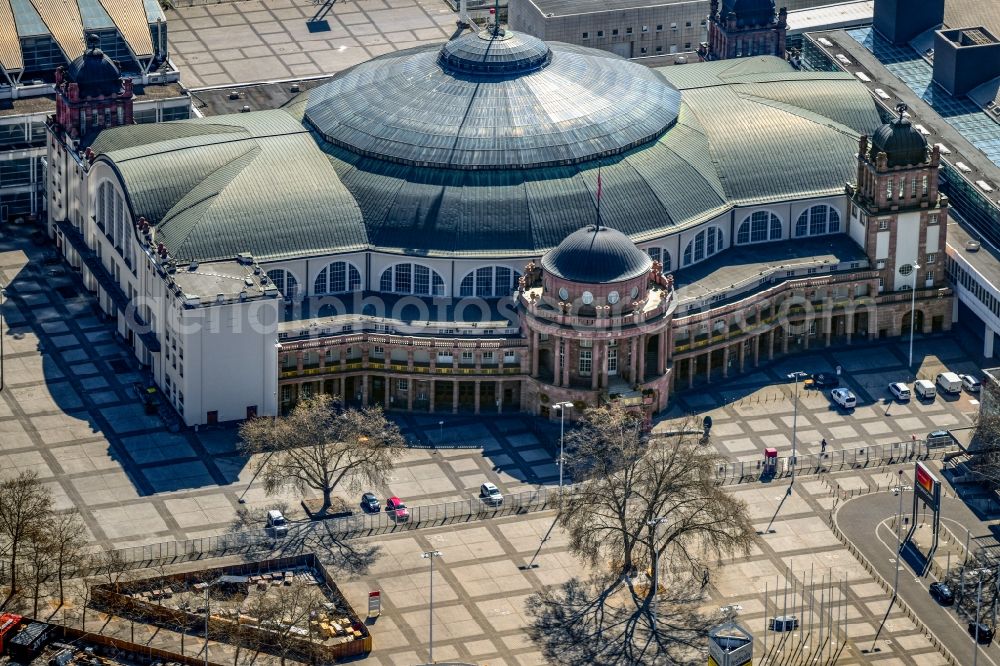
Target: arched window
337, 278
285, 282
489, 282
662, 255
759, 227
818, 220
705, 243
411, 279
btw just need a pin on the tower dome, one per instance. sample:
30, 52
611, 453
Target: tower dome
596, 255
94, 72
900, 141
495, 51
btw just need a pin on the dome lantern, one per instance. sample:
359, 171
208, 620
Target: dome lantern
901, 142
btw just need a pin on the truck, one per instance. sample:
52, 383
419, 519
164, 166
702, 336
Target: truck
949, 382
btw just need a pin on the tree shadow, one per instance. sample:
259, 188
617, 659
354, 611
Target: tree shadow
609, 622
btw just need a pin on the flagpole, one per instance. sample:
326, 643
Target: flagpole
599, 195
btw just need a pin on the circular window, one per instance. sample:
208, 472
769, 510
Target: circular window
613, 297
564, 294
905, 269
635, 293
588, 298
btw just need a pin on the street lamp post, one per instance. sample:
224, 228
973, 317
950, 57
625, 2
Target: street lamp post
913, 308
655, 524
562, 407
979, 600
430, 555
795, 421
899, 545
3, 292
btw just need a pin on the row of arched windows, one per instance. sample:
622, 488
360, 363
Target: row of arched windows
112, 214
496, 281
342, 277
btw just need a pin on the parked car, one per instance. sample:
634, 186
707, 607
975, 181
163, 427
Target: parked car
844, 397
822, 380
370, 503
490, 494
949, 382
276, 523
397, 510
900, 390
939, 438
924, 389
970, 383
983, 633
942, 594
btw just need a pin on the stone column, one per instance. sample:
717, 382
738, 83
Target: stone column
364, 390
756, 349
665, 344
988, 342
691, 366
299, 357
633, 361
499, 393
849, 321
642, 359
476, 385
568, 346
595, 365
743, 355
454, 396
770, 344
411, 388
708, 366
556, 365
725, 362
477, 357
534, 353
828, 319
387, 400
430, 396
784, 340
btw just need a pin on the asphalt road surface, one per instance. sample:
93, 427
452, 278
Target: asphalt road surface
870, 516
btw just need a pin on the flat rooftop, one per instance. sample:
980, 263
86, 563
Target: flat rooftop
829, 17
221, 282
47, 103
904, 76
738, 273
986, 260
259, 97
573, 7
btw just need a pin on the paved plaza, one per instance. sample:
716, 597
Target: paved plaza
756, 411
240, 42
68, 410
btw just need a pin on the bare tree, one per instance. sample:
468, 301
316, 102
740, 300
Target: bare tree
964, 582
985, 450
640, 501
317, 447
67, 542
38, 552
283, 611
26, 505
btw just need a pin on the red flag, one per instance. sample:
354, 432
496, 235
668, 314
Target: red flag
492, 11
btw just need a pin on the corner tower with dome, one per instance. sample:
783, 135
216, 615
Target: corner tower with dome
494, 224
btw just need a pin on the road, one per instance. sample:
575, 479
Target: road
869, 515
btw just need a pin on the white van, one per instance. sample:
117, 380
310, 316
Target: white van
949, 382
924, 389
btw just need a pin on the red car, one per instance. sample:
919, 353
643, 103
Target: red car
395, 507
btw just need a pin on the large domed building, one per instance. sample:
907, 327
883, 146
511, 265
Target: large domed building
496, 223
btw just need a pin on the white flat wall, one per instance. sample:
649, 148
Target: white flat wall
233, 360
907, 246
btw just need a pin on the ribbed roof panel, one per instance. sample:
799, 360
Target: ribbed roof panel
10, 45
133, 24
62, 18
